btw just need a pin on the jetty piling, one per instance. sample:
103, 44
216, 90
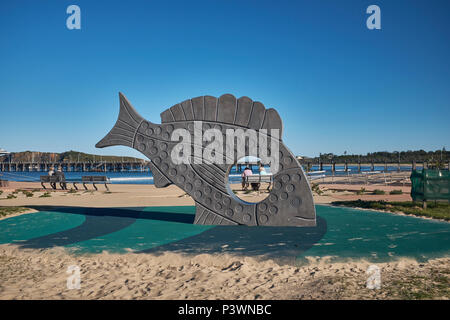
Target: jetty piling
103, 166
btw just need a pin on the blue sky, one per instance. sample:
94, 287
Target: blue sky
337, 85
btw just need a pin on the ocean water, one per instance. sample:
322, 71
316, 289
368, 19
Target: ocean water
136, 177
146, 177
115, 177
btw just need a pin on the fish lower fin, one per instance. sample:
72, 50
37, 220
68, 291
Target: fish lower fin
124, 131
205, 216
159, 179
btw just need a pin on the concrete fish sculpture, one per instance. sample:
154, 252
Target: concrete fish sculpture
290, 201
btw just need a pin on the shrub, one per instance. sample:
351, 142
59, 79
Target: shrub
4, 211
396, 192
11, 196
378, 191
438, 210
315, 188
28, 194
45, 195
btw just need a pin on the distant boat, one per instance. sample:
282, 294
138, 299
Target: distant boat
3, 152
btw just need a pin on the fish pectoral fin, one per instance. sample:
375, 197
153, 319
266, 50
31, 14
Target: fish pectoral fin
159, 179
205, 216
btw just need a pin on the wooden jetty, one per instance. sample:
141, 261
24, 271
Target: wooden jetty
346, 166
98, 166
125, 166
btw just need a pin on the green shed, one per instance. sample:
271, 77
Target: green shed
430, 184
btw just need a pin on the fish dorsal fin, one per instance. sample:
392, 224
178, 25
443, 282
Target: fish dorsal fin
242, 112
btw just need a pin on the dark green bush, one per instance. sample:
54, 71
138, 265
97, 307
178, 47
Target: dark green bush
361, 191
45, 195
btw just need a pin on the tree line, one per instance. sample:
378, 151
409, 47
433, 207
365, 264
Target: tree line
385, 156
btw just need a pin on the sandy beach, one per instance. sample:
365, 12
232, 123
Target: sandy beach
135, 195
42, 273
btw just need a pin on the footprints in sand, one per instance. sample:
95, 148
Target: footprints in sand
27, 274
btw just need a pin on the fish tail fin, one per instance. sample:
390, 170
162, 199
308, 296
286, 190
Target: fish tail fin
123, 132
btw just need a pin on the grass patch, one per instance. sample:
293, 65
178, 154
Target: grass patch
11, 196
378, 191
45, 195
28, 194
437, 210
5, 211
315, 188
396, 192
433, 286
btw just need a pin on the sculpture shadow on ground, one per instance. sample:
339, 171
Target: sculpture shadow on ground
271, 242
281, 243
98, 222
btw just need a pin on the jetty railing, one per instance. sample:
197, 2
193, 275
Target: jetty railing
98, 166
367, 178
